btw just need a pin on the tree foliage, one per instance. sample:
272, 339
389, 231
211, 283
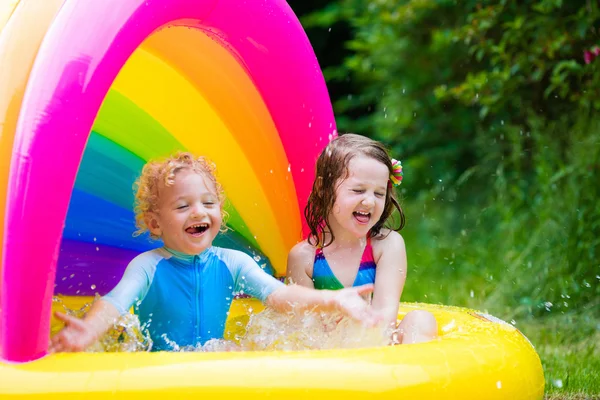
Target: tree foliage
491, 104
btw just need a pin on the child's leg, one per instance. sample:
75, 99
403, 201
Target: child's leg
417, 327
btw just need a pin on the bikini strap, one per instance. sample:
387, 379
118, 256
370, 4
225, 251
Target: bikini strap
367, 255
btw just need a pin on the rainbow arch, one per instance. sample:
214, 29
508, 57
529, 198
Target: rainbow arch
91, 90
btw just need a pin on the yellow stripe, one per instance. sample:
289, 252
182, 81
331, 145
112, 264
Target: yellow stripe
7, 8
212, 69
163, 93
19, 43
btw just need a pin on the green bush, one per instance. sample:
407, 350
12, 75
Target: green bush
492, 107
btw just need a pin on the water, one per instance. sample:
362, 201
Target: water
126, 334
265, 331
270, 331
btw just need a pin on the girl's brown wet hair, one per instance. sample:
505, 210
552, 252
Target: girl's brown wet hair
163, 171
332, 167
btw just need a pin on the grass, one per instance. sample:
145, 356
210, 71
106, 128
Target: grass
508, 269
569, 347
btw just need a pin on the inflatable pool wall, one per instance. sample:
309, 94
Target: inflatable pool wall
89, 91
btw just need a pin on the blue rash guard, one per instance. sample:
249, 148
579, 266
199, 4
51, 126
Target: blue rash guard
185, 299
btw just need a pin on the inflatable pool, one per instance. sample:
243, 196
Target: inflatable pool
91, 90
477, 357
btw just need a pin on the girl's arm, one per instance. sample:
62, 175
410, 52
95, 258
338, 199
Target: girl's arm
300, 265
390, 257
79, 334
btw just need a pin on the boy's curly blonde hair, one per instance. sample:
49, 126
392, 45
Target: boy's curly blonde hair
157, 171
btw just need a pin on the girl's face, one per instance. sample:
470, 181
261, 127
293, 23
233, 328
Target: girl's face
360, 198
189, 213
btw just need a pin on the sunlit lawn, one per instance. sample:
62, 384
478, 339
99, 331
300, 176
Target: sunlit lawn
569, 347
472, 271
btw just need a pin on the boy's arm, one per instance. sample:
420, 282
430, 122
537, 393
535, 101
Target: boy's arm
295, 298
348, 301
78, 334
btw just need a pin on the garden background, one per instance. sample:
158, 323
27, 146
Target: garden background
493, 107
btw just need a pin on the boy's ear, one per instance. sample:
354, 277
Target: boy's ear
153, 224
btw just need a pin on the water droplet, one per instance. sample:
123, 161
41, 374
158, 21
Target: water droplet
557, 383
93, 287
472, 294
499, 384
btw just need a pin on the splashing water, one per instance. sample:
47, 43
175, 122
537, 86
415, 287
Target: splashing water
126, 335
268, 330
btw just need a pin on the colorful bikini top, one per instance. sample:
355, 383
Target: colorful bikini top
324, 278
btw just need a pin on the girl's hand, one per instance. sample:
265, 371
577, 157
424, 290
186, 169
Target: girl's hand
77, 335
351, 303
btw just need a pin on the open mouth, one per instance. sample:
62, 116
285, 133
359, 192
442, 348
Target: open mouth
197, 229
362, 217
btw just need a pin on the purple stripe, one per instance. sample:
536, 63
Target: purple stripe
84, 269
367, 265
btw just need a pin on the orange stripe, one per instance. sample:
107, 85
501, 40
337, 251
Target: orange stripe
213, 71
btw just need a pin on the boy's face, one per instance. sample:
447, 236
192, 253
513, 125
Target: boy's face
189, 213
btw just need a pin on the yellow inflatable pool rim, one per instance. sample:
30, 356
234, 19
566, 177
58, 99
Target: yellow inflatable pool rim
477, 357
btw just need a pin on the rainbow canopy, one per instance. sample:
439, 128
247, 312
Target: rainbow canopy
90, 90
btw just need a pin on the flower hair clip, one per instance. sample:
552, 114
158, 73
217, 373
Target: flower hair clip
396, 175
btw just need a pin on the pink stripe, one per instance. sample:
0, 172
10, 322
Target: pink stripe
81, 54
282, 64
367, 256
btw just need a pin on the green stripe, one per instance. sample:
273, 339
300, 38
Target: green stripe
123, 137
327, 283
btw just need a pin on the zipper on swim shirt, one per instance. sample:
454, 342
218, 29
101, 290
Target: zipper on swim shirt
197, 300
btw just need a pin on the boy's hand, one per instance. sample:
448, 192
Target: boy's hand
351, 303
75, 336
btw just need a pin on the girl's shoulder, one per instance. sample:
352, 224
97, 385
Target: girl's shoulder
303, 250
387, 240
300, 261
